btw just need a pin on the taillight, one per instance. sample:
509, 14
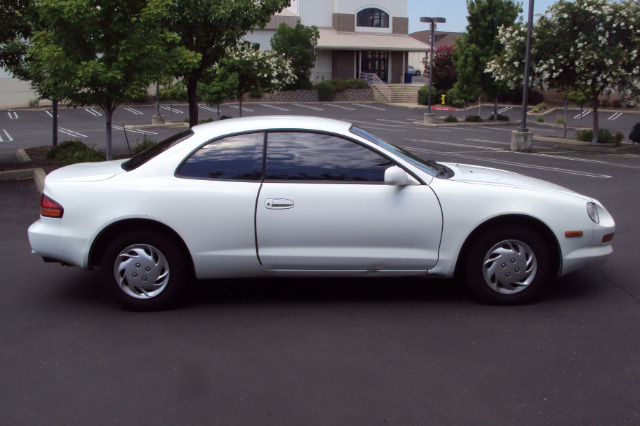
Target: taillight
50, 208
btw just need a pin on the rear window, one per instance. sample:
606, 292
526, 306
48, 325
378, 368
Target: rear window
157, 149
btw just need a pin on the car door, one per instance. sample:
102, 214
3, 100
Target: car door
323, 205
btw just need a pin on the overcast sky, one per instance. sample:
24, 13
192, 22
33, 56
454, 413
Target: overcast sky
455, 12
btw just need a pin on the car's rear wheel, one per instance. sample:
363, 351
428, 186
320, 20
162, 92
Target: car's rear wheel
508, 266
145, 271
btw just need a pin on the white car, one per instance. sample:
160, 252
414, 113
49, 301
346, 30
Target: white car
300, 196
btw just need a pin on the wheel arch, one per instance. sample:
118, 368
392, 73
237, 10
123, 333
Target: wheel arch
513, 220
101, 242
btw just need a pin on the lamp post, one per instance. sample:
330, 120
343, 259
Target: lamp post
522, 139
432, 21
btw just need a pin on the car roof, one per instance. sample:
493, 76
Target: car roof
289, 122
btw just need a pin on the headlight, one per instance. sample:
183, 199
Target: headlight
592, 211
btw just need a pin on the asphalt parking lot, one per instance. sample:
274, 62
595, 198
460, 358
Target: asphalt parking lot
329, 351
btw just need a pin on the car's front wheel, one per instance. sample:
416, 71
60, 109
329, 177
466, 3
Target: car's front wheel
144, 270
508, 266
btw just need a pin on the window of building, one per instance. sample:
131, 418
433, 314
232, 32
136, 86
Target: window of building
373, 17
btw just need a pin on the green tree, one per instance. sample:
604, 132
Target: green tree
100, 52
297, 45
20, 20
480, 45
246, 68
588, 47
207, 29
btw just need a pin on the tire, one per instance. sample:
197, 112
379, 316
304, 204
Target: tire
145, 271
508, 266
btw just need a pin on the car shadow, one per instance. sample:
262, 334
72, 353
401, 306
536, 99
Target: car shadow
85, 288
327, 290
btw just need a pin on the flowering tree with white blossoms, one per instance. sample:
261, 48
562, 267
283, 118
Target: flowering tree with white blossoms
246, 68
590, 46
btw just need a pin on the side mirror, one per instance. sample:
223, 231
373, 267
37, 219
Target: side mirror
395, 176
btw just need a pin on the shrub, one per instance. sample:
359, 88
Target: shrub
473, 118
71, 152
618, 137
325, 91
604, 136
540, 119
225, 117
454, 99
33, 103
584, 135
541, 106
560, 120
450, 119
142, 146
356, 83
501, 117
423, 95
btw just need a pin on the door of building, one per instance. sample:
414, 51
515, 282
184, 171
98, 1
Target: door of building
376, 62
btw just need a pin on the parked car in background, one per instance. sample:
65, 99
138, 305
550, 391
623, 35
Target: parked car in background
413, 71
301, 196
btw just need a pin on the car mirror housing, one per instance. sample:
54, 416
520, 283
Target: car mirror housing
395, 176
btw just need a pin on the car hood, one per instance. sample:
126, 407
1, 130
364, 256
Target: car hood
87, 172
487, 175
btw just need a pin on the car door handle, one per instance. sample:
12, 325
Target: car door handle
278, 203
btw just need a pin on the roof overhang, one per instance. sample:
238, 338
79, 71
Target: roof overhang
330, 39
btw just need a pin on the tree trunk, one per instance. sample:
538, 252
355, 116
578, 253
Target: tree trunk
240, 99
594, 141
565, 117
192, 93
54, 112
108, 114
495, 109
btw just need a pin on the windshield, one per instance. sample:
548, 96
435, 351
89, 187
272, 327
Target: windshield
428, 166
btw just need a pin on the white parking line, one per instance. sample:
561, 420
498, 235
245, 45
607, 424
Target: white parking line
208, 108
393, 121
615, 116
8, 136
505, 109
274, 107
488, 148
143, 132
238, 107
514, 164
584, 114
50, 114
486, 141
370, 106
309, 107
340, 106
12, 115
71, 132
134, 111
93, 112
177, 111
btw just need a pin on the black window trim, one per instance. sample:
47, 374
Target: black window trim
246, 132
262, 179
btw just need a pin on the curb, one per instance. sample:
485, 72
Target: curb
37, 174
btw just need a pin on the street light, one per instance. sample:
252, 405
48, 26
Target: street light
433, 21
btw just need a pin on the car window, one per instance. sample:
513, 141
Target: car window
309, 156
146, 155
237, 157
